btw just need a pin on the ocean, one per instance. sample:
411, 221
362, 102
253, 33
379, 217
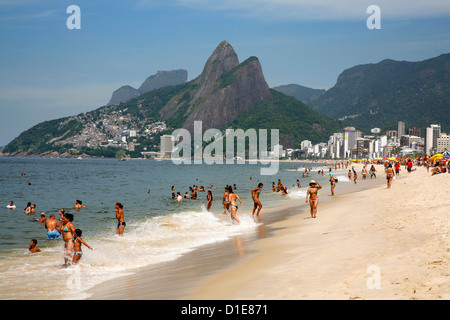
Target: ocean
158, 229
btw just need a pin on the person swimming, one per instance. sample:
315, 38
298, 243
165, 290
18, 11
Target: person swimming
78, 204
11, 205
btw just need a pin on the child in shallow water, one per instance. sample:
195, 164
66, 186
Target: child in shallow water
33, 247
77, 246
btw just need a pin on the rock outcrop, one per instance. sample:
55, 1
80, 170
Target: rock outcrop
224, 89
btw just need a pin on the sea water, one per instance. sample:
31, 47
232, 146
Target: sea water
158, 228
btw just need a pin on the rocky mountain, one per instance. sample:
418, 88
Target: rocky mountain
159, 80
227, 94
223, 90
381, 94
122, 94
304, 94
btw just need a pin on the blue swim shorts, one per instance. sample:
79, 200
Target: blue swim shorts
53, 235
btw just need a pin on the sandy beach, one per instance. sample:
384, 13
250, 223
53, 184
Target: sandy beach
377, 243
368, 242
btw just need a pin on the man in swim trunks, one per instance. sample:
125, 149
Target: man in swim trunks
52, 225
120, 218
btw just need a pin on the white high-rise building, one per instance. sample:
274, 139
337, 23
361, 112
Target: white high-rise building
443, 143
401, 129
432, 133
166, 147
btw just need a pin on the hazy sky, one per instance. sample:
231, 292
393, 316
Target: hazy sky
48, 71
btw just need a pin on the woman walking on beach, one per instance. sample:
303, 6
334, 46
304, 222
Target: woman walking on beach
257, 206
233, 205
372, 172
120, 219
314, 188
389, 175
332, 183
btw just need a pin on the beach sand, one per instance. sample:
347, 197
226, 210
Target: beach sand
368, 242
377, 243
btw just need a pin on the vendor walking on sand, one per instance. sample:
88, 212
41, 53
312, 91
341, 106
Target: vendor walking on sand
314, 188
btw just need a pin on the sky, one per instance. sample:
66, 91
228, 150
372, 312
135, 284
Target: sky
49, 71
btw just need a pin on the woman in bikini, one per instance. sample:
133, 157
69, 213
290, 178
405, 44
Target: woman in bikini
389, 175
77, 246
332, 183
233, 205
257, 205
67, 230
226, 201
209, 197
313, 196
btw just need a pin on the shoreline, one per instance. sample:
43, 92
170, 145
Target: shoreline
381, 249
180, 278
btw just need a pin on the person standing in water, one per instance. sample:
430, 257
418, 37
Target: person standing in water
68, 234
77, 246
209, 197
233, 205
314, 188
52, 226
120, 219
226, 201
257, 206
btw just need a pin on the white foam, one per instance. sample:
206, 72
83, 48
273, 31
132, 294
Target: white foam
156, 239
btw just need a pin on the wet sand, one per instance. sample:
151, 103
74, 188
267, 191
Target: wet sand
379, 244
180, 278
367, 242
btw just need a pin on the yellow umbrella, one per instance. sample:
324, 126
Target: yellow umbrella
439, 155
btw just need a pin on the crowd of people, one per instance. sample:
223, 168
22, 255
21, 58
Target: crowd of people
64, 228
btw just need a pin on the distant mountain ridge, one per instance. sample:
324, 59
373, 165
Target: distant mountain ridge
159, 80
299, 92
384, 93
227, 94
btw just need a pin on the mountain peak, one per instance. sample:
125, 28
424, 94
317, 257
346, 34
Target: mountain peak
222, 60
